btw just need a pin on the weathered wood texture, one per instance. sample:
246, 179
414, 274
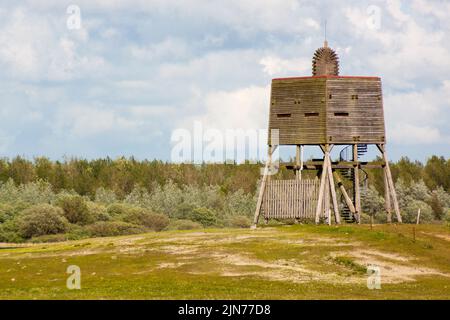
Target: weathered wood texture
298, 111
291, 199
354, 111
327, 109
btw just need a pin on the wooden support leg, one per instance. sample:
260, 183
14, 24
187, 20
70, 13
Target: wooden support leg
327, 197
390, 182
298, 173
263, 188
337, 217
347, 199
356, 185
387, 197
319, 207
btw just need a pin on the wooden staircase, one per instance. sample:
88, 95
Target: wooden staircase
349, 174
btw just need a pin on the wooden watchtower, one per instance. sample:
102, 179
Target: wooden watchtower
326, 110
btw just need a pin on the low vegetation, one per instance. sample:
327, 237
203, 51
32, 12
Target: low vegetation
42, 200
274, 262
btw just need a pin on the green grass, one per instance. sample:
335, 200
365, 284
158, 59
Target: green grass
282, 262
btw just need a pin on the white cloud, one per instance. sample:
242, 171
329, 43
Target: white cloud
159, 63
409, 134
403, 50
419, 117
168, 49
245, 108
277, 66
33, 49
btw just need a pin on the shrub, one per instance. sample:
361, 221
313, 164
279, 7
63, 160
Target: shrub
372, 203
240, 222
49, 238
147, 218
36, 192
447, 216
98, 212
75, 209
76, 232
409, 212
240, 203
6, 212
118, 209
205, 216
9, 232
139, 196
30, 193
166, 199
113, 228
184, 224
105, 196
42, 219
183, 211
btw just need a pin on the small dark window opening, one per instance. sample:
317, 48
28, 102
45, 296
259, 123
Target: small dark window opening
311, 114
341, 114
330, 96
284, 115
354, 97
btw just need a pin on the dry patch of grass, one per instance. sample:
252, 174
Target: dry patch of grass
283, 262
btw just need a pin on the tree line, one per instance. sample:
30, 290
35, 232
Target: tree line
121, 175
44, 200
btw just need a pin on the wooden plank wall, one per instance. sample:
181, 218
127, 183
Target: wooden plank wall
355, 111
338, 110
298, 110
291, 199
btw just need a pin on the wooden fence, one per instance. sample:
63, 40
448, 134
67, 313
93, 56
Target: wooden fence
287, 199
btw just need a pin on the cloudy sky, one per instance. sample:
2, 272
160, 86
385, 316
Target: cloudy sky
136, 70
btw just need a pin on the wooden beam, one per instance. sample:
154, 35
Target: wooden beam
337, 217
263, 186
387, 197
327, 196
321, 188
357, 193
347, 199
390, 183
298, 172
316, 165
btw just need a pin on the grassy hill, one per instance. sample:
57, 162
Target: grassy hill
285, 262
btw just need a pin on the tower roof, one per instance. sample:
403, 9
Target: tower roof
325, 62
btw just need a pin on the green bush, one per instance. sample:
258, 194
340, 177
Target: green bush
9, 232
50, 238
145, 217
98, 212
118, 209
184, 224
113, 228
183, 211
205, 216
409, 212
240, 222
447, 216
42, 219
75, 209
105, 196
7, 212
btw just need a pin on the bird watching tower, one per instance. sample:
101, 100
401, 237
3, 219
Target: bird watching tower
329, 111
